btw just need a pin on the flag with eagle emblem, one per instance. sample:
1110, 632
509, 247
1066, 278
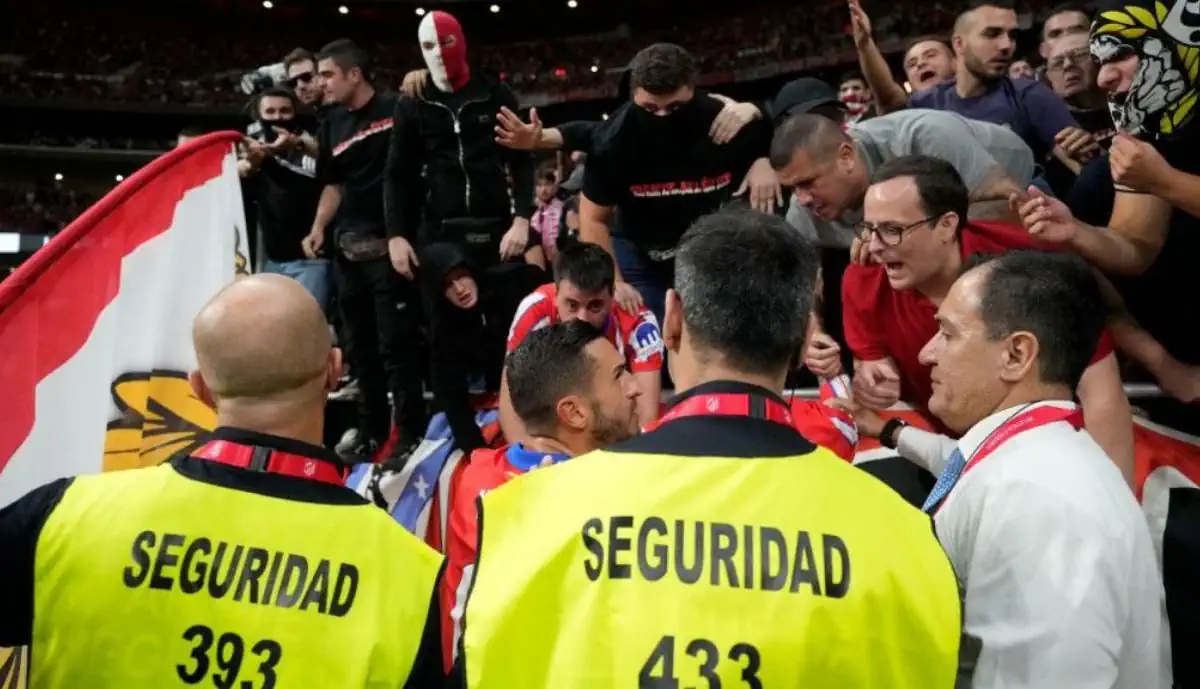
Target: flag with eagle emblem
96, 327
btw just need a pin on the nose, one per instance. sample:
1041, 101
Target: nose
874, 243
632, 389
928, 355
1109, 77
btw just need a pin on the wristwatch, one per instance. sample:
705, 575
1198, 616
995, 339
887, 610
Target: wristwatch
887, 436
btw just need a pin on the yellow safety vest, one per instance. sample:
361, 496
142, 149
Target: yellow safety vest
148, 579
620, 569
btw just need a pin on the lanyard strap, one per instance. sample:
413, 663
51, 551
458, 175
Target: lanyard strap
1025, 421
257, 458
727, 404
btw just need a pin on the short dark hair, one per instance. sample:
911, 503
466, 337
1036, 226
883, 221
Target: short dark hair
587, 266
808, 131
661, 69
275, 92
1055, 296
929, 37
1063, 8
549, 364
547, 170
746, 280
853, 75
298, 55
939, 185
347, 55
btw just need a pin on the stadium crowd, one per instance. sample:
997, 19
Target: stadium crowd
91, 54
989, 248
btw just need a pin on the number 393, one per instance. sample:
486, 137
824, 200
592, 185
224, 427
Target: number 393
228, 653
658, 672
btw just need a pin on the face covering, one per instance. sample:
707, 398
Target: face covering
1166, 38
445, 50
672, 127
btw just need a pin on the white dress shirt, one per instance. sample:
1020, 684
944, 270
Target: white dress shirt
1062, 583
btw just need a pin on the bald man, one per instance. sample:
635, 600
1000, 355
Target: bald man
232, 559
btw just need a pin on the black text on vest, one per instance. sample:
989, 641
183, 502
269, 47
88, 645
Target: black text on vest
749, 557
170, 562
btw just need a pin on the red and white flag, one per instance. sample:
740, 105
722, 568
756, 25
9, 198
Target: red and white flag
95, 328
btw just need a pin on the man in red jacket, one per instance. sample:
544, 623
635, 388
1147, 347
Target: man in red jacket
572, 391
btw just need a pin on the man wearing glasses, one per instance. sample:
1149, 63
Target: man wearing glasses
917, 236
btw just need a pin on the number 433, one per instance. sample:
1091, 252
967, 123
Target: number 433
658, 672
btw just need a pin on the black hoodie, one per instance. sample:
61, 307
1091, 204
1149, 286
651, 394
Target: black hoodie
469, 341
451, 137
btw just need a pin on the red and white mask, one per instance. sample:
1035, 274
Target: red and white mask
445, 50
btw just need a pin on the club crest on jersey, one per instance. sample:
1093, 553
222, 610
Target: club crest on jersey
647, 339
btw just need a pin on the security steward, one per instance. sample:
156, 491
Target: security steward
229, 567
721, 548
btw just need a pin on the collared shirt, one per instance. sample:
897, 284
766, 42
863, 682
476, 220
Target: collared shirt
880, 322
1062, 583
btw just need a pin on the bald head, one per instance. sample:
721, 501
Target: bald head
262, 337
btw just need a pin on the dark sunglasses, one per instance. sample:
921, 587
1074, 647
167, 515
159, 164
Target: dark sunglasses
889, 234
303, 78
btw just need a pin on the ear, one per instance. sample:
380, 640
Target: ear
1020, 357
672, 327
958, 42
573, 413
333, 369
847, 156
947, 227
200, 389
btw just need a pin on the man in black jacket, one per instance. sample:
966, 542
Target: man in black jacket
464, 198
448, 133
381, 310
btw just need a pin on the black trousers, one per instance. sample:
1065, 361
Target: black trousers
382, 312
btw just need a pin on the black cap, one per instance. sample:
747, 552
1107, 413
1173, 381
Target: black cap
802, 95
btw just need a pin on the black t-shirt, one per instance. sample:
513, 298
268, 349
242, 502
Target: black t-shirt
1158, 297
661, 185
287, 191
354, 149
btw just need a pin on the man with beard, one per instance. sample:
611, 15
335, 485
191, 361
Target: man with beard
584, 277
928, 61
856, 96
282, 179
981, 89
654, 163
572, 391
301, 68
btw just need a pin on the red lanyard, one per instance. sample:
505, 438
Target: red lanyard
1020, 423
727, 404
272, 461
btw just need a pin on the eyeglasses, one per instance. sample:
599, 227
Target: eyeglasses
303, 78
1059, 63
889, 234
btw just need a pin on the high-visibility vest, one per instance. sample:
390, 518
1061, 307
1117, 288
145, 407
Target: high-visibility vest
148, 579
621, 569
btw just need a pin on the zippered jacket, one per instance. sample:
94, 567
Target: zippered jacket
449, 138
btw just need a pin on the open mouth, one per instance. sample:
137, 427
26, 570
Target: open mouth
926, 75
